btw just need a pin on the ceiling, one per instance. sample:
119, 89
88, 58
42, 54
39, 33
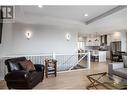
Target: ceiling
68, 12
73, 17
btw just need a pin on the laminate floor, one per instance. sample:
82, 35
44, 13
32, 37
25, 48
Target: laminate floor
68, 80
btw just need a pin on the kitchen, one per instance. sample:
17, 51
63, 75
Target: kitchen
100, 45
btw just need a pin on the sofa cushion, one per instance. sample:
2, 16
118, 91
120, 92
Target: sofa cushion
34, 75
125, 60
122, 72
27, 65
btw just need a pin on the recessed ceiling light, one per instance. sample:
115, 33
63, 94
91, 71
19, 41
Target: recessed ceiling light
40, 6
86, 15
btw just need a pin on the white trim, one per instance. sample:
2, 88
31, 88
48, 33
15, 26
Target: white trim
1, 78
41, 54
73, 70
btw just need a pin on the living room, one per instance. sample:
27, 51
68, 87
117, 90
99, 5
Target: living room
53, 32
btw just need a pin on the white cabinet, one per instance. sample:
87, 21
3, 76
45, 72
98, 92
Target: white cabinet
93, 42
108, 40
102, 56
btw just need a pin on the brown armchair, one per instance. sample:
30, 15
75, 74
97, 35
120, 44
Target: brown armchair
18, 78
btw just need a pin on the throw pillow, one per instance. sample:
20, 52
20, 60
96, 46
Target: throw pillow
23, 64
27, 65
14, 66
125, 60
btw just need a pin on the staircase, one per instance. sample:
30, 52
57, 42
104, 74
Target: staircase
82, 62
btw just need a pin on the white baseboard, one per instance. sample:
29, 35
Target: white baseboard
1, 78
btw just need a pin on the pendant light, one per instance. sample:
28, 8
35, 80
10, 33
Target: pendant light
96, 38
89, 41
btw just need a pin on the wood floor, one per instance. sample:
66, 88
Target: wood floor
68, 80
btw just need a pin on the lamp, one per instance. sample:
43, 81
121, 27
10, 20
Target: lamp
28, 34
89, 37
96, 38
89, 41
68, 36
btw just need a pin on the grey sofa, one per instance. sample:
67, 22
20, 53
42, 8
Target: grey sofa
117, 69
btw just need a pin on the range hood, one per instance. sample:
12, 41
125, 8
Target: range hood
103, 40
103, 43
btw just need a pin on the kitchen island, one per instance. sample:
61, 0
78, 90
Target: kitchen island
102, 56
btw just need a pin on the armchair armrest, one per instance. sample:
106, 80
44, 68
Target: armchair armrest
17, 75
39, 67
116, 65
113, 66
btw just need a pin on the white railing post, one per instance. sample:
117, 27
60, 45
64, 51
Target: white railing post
88, 60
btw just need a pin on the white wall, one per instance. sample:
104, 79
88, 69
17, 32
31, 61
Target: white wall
120, 36
5, 46
81, 43
116, 36
45, 39
123, 41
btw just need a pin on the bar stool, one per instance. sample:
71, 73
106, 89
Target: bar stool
95, 55
50, 67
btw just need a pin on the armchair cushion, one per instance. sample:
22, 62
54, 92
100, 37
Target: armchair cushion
116, 65
113, 66
20, 75
122, 72
117, 69
34, 75
39, 67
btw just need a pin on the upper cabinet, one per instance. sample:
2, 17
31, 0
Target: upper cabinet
109, 40
103, 39
95, 41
